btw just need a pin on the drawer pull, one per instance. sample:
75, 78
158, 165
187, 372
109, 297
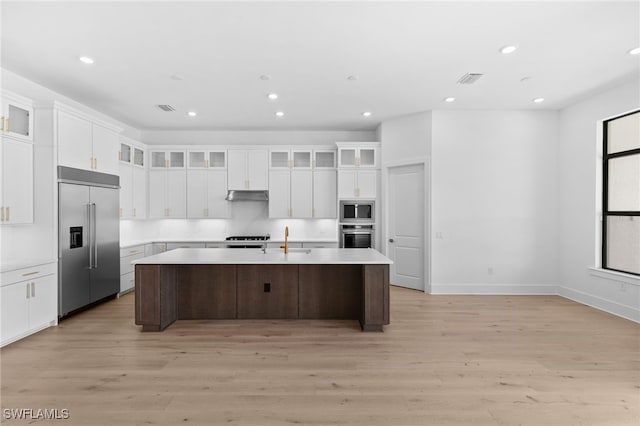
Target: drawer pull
134, 251
30, 273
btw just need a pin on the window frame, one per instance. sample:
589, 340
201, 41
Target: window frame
606, 213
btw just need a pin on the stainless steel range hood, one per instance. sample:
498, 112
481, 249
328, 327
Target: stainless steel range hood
236, 195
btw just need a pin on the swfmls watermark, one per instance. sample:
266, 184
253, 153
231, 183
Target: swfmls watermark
35, 413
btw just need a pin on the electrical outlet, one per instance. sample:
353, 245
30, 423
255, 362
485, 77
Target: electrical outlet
439, 236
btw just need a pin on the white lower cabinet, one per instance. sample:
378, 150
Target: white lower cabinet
206, 192
353, 184
29, 301
173, 246
320, 245
127, 276
154, 248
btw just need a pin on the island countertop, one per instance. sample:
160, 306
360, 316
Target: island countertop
212, 256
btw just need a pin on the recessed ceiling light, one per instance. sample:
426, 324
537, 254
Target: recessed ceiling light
265, 77
279, 114
86, 60
366, 114
176, 77
505, 50
525, 79
272, 96
635, 51
449, 99
538, 100
352, 78
192, 113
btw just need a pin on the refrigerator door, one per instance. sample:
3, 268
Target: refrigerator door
73, 247
105, 274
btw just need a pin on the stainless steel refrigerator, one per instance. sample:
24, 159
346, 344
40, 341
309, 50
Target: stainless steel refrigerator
88, 238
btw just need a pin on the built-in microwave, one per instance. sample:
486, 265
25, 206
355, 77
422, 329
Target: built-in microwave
360, 211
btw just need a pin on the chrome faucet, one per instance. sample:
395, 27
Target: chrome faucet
286, 240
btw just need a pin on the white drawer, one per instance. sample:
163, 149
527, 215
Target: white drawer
320, 245
125, 262
129, 251
31, 273
127, 282
171, 246
216, 245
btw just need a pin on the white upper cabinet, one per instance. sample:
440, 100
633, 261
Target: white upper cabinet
354, 184
301, 194
167, 194
279, 194
324, 194
171, 159
206, 192
133, 180
324, 159
201, 159
248, 169
291, 194
290, 159
85, 143
358, 154
16, 186
17, 116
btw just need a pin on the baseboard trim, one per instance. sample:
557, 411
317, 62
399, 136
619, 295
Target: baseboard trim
605, 305
495, 289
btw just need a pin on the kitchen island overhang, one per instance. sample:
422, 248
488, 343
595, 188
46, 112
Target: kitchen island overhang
322, 283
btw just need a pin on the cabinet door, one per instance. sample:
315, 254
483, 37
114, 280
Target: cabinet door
367, 185
197, 202
176, 196
302, 193
126, 191
139, 193
157, 190
324, 194
237, 169
18, 119
15, 315
347, 183
218, 207
347, 157
43, 303
74, 141
279, 193
17, 181
258, 169
267, 291
106, 145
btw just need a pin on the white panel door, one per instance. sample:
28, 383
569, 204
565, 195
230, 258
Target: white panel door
218, 207
157, 191
17, 181
106, 145
302, 193
197, 201
347, 183
15, 314
406, 226
367, 184
43, 303
74, 141
258, 169
126, 191
237, 169
176, 197
139, 193
324, 194
279, 193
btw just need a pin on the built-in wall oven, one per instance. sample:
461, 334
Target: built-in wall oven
357, 236
357, 223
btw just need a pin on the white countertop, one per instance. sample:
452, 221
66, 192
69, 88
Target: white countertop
131, 243
229, 256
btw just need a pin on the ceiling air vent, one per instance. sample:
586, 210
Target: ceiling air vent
167, 108
470, 78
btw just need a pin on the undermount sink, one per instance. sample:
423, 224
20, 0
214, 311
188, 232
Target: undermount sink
291, 250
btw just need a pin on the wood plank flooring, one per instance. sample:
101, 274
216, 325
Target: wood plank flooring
443, 360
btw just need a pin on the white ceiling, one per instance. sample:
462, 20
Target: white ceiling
407, 57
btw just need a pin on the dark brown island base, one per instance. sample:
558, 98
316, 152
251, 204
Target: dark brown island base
222, 284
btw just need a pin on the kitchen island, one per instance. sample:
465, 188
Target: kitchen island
320, 283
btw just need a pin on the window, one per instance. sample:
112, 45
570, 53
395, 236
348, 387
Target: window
621, 194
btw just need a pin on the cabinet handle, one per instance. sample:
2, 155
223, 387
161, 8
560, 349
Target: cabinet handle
2, 214
120, 155
120, 211
28, 292
206, 163
134, 212
6, 125
96, 162
358, 161
166, 164
30, 273
33, 289
8, 213
2, 119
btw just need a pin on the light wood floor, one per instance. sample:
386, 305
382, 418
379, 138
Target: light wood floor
444, 360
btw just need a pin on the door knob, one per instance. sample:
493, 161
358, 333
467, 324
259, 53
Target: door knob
390, 240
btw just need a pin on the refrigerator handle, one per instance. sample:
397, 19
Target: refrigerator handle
94, 238
89, 235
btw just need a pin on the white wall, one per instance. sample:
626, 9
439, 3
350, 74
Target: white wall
494, 202
255, 137
406, 138
579, 149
